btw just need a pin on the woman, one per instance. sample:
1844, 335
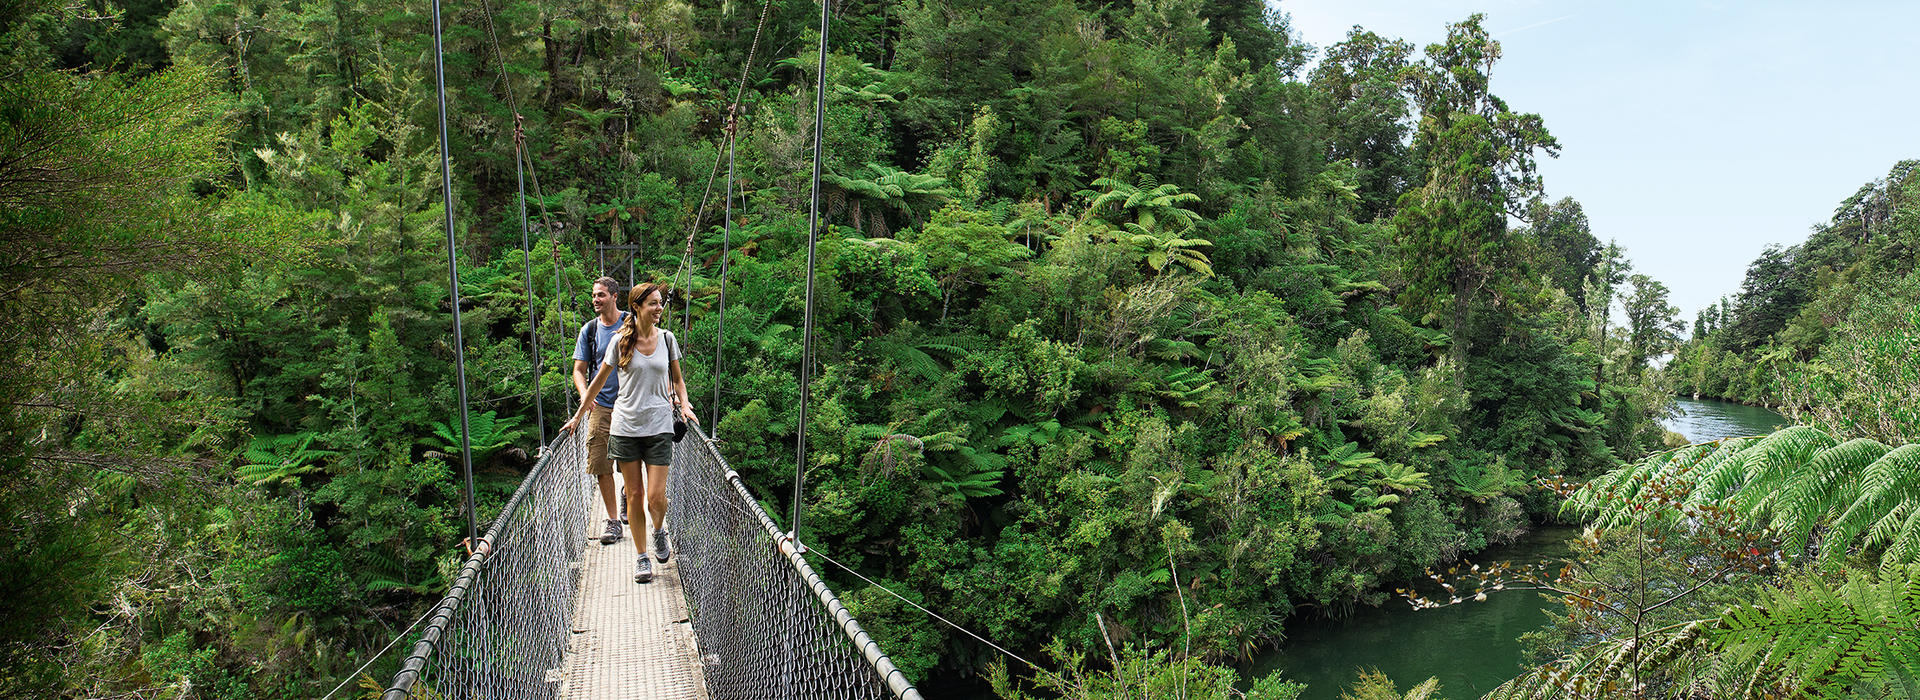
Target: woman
647, 358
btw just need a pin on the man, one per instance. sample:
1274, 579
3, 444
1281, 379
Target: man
593, 339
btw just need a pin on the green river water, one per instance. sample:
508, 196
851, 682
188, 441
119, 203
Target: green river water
1470, 647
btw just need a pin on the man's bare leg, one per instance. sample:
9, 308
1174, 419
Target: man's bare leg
607, 492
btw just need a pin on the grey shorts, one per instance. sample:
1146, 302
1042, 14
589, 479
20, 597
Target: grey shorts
652, 449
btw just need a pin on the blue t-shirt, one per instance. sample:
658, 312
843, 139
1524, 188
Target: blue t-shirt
583, 351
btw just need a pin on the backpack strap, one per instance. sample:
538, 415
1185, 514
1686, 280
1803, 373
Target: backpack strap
673, 349
593, 336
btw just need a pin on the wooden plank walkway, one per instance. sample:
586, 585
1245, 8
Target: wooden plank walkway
630, 640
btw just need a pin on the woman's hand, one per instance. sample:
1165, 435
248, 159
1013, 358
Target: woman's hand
686, 412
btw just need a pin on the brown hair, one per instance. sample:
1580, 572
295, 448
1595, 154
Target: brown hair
630, 330
613, 289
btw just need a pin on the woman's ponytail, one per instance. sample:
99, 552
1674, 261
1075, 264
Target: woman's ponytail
630, 329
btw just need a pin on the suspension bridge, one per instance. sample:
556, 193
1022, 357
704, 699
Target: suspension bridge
538, 612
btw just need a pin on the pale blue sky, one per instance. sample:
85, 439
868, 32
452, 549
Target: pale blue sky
1694, 133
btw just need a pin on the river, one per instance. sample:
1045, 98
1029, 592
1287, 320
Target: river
1471, 647
1703, 420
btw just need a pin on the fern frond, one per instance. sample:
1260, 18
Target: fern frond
1776, 461
1884, 484
1723, 470
1822, 640
1904, 548
913, 360
1807, 502
1604, 670
1860, 495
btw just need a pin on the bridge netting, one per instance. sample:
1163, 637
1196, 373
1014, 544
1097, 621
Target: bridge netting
767, 625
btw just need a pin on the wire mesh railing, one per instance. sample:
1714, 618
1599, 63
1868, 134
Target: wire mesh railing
501, 631
768, 626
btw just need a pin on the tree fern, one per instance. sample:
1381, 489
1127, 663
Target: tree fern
1860, 496
1398, 477
1347, 461
1680, 658
1826, 639
911, 359
1186, 386
280, 459
1831, 472
960, 468
972, 474
1776, 461
1887, 486
487, 434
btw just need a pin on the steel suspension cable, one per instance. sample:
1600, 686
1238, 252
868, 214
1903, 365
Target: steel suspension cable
523, 157
533, 319
686, 255
813, 235
733, 111
526, 247
522, 164
560, 291
726, 243
453, 270
738, 504
376, 656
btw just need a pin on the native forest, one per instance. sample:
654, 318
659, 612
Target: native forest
1143, 333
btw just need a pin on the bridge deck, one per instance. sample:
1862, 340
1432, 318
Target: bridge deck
630, 640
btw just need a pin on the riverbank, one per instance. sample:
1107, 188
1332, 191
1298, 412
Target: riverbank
1471, 647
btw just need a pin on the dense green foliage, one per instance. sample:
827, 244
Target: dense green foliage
1187, 342
1777, 566
1802, 484
1826, 329
1782, 566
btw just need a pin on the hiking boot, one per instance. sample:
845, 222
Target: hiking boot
643, 570
660, 549
613, 533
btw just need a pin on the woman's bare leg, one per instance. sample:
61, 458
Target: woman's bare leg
630, 473
656, 495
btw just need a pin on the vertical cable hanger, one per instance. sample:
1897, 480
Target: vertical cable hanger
813, 235
453, 273
726, 243
726, 231
683, 275
522, 164
526, 251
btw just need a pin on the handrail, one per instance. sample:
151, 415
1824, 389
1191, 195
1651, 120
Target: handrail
896, 681
755, 630
562, 454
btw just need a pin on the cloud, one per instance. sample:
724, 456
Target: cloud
1516, 30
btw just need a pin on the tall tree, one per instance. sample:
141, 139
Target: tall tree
1569, 252
1775, 288
1653, 326
97, 178
1479, 158
1365, 108
1599, 289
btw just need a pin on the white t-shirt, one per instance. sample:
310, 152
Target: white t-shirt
645, 405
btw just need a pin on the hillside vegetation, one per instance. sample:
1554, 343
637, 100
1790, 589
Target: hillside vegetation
1189, 339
